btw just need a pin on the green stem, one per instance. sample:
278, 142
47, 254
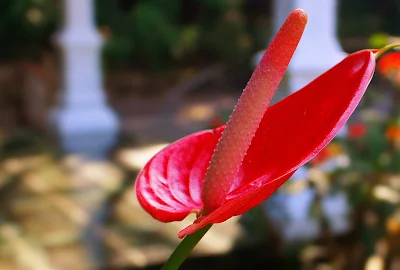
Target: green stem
184, 248
385, 49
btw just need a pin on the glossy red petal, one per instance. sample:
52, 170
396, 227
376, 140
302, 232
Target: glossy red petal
169, 186
292, 132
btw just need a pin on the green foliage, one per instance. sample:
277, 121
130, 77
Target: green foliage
366, 17
150, 34
155, 34
228, 38
158, 33
25, 26
378, 40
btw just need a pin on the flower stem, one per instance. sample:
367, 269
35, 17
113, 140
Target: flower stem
385, 49
184, 248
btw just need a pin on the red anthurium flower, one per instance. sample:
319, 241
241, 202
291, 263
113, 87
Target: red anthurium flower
224, 172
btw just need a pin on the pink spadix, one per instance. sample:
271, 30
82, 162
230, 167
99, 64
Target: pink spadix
249, 111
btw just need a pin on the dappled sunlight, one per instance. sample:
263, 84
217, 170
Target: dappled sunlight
136, 158
394, 181
52, 201
386, 193
196, 113
320, 179
15, 165
372, 115
98, 174
220, 239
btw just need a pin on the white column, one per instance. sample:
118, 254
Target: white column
319, 48
281, 10
83, 120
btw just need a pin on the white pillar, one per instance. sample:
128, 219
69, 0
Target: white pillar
83, 120
319, 48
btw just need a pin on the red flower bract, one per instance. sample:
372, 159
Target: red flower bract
290, 134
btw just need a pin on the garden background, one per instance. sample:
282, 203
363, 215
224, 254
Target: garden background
172, 68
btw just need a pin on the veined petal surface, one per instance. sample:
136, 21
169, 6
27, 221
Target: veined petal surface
169, 186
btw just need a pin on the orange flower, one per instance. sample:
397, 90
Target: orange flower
393, 225
393, 133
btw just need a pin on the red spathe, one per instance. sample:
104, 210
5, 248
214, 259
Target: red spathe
290, 134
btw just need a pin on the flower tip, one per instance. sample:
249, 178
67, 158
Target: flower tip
301, 14
181, 235
186, 231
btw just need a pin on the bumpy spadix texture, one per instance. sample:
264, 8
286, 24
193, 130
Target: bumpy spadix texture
249, 111
290, 134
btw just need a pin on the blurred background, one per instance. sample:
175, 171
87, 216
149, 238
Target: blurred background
91, 89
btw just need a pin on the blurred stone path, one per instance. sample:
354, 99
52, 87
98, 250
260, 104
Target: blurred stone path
48, 203
46, 208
